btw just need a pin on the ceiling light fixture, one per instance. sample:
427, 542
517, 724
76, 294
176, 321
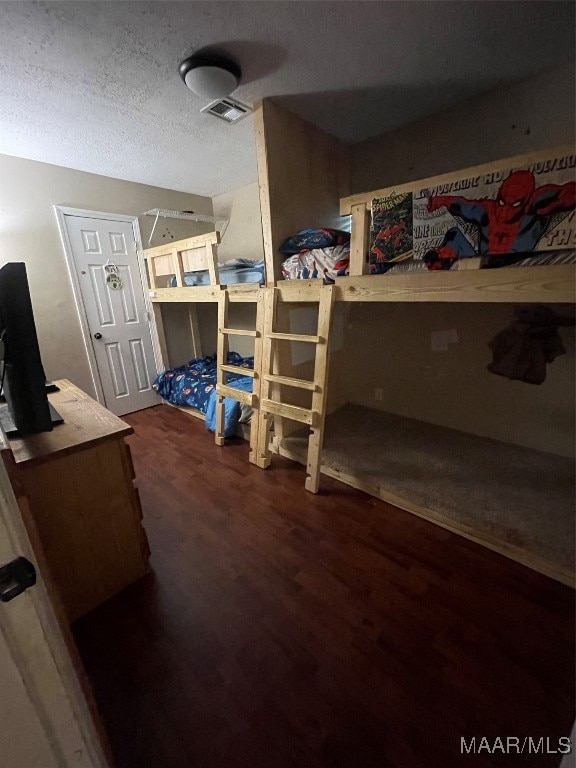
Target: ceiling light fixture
211, 75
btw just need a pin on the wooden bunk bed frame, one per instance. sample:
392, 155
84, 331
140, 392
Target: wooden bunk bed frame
195, 254
304, 182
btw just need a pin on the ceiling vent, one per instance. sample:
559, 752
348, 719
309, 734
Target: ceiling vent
227, 109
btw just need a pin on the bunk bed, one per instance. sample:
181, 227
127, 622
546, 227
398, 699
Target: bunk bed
193, 386
187, 272
304, 185
317, 166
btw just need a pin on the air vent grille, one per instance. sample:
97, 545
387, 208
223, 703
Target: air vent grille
227, 109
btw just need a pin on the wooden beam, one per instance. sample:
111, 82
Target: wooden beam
157, 309
212, 262
551, 284
182, 245
319, 397
295, 337
236, 394
237, 369
359, 242
257, 383
294, 412
238, 332
178, 267
301, 180
288, 381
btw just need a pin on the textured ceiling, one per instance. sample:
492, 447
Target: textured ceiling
95, 86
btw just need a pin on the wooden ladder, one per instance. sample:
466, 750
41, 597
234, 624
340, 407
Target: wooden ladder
272, 382
223, 389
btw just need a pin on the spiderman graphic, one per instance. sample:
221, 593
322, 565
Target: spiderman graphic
514, 222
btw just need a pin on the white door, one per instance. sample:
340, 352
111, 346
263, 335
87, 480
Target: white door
106, 265
44, 718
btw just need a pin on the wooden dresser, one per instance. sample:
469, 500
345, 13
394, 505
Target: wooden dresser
75, 488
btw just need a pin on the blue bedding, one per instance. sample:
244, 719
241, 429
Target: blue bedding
194, 384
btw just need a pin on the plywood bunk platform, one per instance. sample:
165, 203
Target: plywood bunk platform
550, 284
512, 499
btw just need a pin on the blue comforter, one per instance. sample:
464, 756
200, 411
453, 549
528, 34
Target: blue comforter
194, 384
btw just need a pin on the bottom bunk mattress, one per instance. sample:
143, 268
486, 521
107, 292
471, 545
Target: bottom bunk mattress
194, 385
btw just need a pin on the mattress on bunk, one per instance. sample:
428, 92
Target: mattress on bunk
194, 385
230, 273
328, 263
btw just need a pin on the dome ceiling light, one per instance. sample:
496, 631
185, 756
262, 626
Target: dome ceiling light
210, 75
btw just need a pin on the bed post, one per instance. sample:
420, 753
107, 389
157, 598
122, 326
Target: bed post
359, 239
221, 355
257, 381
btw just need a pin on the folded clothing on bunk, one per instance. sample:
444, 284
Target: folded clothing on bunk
328, 263
229, 273
316, 253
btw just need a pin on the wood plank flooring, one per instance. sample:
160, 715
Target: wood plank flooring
285, 630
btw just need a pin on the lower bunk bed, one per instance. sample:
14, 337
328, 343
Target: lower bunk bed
514, 500
192, 387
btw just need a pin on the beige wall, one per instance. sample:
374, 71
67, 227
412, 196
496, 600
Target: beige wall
28, 232
530, 115
389, 347
243, 236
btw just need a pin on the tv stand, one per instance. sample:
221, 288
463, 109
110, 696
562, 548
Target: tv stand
76, 491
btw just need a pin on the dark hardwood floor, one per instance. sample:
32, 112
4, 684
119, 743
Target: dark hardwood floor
280, 629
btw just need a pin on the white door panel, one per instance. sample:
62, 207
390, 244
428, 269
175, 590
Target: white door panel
117, 319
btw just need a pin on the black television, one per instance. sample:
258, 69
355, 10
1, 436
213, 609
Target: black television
23, 382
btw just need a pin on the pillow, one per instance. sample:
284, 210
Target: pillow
307, 239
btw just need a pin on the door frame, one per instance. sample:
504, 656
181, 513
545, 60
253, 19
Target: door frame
61, 212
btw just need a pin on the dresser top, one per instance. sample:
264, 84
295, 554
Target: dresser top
86, 423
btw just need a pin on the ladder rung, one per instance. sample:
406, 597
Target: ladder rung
236, 394
289, 382
295, 337
237, 369
238, 332
289, 411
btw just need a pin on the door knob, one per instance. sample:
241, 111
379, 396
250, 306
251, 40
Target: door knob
16, 577
97, 335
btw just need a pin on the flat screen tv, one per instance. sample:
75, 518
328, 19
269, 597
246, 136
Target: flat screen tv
27, 410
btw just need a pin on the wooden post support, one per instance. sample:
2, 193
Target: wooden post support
257, 381
221, 355
359, 242
157, 309
178, 267
212, 263
319, 397
265, 421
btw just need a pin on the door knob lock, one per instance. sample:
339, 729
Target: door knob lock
16, 577
97, 335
